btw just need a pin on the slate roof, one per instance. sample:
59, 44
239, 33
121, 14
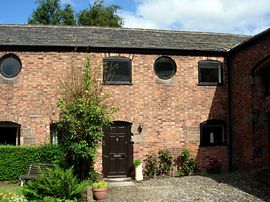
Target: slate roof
121, 38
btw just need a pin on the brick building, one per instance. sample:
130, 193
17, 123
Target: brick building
204, 91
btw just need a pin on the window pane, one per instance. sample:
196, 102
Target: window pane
10, 67
212, 134
165, 68
210, 72
210, 75
117, 71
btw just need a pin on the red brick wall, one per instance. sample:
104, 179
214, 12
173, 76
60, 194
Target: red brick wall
171, 111
250, 140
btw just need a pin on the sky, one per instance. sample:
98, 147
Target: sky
226, 16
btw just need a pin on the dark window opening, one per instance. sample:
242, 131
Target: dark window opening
213, 133
165, 68
10, 66
9, 133
266, 76
54, 133
117, 70
210, 72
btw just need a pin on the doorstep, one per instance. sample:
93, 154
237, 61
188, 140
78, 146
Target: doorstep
120, 182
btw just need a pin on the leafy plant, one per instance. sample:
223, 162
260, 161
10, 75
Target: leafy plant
137, 162
98, 185
56, 183
151, 165
214, 166
165, 162
186, 165
83, 114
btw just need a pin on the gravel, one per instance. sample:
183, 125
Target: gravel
238, 186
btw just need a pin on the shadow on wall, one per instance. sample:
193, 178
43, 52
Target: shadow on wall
214, 131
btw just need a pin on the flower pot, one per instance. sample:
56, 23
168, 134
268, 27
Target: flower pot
100, 193
138, 173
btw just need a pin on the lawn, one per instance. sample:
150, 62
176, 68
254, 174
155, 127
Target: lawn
8, 190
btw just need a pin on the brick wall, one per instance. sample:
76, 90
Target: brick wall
171, 111
250, 105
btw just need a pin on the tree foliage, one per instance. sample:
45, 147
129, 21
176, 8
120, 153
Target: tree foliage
50, 12
83, 114
99, 15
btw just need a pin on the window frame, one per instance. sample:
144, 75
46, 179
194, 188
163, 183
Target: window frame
2, 60
210, 64
171, 61
213, 123
117, 59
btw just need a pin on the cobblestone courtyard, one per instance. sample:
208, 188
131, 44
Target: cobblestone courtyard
239, 186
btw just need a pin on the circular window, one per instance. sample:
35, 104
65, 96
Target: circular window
165, 67
10, 66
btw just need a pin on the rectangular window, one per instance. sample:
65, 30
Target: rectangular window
210, 73
212, 134
117, 70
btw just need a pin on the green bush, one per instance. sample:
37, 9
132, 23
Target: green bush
14, 160
151, 165
187, 164
56, 184
165, 162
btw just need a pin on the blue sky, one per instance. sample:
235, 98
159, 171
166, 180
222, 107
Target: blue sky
228, 16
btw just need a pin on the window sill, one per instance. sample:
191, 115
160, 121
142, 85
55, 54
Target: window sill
210, 84
214, 145
117, 83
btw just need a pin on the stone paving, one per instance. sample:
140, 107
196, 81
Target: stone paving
239, 186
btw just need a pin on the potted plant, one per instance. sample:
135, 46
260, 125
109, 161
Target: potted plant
138, 170
99, 190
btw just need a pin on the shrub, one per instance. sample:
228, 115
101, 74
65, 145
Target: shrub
15, 160
186, 165
165, 162
214, 166
151, 165
55, 183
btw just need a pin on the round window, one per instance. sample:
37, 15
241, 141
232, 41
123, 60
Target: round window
165, 67
10, 66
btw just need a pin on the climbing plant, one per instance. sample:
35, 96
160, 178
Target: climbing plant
83, 114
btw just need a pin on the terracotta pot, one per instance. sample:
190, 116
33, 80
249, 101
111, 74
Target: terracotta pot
100, 193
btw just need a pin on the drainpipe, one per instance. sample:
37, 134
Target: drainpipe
229, 66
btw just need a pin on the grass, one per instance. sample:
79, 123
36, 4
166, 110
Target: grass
8, 190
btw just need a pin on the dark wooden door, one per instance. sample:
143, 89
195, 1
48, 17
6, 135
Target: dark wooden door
116, 151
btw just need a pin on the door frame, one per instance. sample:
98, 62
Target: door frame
129, 150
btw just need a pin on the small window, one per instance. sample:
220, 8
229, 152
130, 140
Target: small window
9, 133
117, 70
213, 133
165, 68
266, 76
210, 73
10, 66
54, 133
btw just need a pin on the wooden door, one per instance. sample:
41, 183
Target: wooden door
117, 150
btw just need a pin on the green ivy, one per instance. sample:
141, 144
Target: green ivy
15, 160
